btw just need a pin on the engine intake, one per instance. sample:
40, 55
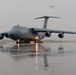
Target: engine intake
1, 37
7, 35
61, 35
47, 34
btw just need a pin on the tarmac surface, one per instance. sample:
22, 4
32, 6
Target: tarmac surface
48, 58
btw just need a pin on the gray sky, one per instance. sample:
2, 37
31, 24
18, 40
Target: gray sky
23, 12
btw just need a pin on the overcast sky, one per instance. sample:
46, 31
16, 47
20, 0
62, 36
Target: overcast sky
23, 12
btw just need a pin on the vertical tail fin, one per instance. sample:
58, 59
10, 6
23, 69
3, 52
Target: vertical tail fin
46, 20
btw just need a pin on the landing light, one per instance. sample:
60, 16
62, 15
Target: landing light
18, 40
36, 37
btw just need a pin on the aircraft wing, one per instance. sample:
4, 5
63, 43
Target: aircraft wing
52, 31
4, 33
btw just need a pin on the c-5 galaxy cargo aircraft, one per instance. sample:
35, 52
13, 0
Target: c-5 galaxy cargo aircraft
26, 35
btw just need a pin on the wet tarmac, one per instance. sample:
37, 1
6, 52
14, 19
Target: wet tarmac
48, 58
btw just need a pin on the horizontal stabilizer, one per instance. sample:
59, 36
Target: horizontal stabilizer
47, 17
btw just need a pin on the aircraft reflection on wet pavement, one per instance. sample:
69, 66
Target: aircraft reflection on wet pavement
22, 51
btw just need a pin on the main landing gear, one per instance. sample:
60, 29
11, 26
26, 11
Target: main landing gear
22, 42
19, 42
38, 41
26, 42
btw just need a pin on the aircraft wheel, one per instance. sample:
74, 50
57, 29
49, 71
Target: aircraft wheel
18, 42
26, 41
38, 41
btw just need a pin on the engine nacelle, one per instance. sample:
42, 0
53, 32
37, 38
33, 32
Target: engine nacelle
61, 35
1, 37
7, 35
47, 34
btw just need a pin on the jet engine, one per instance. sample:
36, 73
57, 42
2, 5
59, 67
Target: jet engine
7, 35
1, 37
60, 35
47, 34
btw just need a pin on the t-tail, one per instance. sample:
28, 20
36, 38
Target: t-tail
46, 20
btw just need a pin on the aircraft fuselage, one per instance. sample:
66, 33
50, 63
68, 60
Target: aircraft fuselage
24, 34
